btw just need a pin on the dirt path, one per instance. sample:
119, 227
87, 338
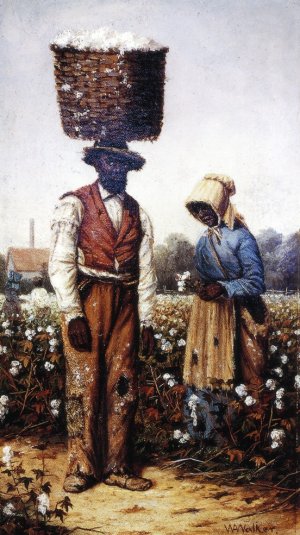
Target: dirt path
173, 506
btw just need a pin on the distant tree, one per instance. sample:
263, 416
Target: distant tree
175, 255
281, 259
2, 273
268, 240
289, 261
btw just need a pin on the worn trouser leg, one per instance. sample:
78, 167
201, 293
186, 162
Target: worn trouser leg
121, 389
101, 384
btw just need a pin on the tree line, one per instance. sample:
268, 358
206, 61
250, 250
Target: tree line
280, 255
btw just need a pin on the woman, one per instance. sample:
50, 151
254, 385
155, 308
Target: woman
227, 335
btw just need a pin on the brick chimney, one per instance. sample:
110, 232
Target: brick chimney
31, 233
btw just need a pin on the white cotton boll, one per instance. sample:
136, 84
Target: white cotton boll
5, 324
48, 366
172, 332
16, 363
277, 434
181, 342
158, 336
53, 342
284, 359
297, 381
9, 509
185, 438
167, 347
297, 332
167, 376
289, 343
3, 350
273, 349
279, 404
4, 400
278, 371
171, 382
50, 329
275, 444
177, 434
7, 454
55, 403
14, 371
241, 390
55, 412
104, 39
8, 332
249, 400
271, 384
43, 503
280, 393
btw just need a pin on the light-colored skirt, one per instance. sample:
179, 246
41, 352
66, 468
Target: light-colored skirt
210, 342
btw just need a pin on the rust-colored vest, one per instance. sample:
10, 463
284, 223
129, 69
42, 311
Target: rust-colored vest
100, 242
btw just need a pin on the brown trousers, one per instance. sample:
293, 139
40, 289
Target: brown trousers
101, 385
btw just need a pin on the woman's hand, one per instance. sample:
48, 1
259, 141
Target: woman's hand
210, 291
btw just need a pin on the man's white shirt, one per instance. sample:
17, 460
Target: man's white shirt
66, 259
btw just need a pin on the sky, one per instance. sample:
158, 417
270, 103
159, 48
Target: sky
232, 105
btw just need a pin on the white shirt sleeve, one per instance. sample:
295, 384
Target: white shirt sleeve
147, 281
66, 220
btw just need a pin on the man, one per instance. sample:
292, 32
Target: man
102, 270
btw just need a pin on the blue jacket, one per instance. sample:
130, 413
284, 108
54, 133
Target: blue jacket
239, 255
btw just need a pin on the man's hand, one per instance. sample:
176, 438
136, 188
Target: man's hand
211, 291
148, 341
79, 334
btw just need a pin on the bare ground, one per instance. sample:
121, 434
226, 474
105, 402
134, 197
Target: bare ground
173, 506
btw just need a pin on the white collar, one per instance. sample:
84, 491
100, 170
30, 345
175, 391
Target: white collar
106, 194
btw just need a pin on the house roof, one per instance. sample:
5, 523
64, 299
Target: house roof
28, 259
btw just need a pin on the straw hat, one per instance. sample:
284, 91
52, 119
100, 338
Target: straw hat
215, 190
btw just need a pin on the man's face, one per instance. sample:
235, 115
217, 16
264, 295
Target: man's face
207, 215
112, 170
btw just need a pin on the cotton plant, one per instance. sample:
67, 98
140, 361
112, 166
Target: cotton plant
15, 368
55, 406
182, 280
7, 455
249, 401
241, 390
169, 378
182, 438
277, 436
27, 504
4, 400
297, 381
43, 503
271, 384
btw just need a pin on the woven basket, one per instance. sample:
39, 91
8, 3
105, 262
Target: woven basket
109, 94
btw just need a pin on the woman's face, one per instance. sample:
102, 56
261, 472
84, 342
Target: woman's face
207, 215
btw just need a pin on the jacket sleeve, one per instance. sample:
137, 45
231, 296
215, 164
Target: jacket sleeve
251, 282
65, 224
147, 281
